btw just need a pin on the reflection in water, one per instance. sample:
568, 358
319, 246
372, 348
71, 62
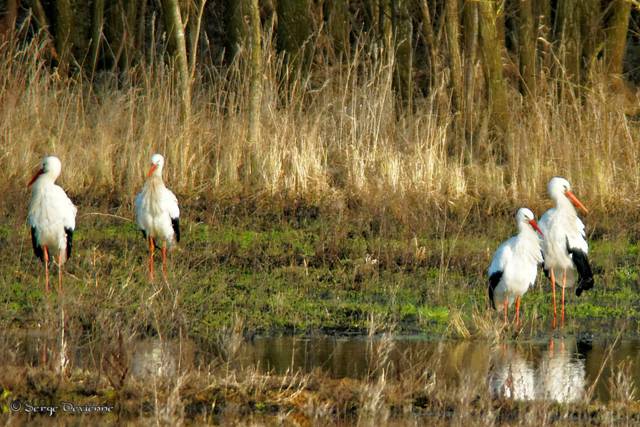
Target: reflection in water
558, 370
562, 373
153, 358
512, 376
558, 373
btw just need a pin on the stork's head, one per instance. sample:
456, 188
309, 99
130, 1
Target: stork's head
559, 189
526, 218
157, 162
50, 167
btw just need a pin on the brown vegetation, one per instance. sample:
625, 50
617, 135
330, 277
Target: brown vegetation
341, 130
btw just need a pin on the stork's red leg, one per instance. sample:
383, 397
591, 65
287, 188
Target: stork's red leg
60, 272
164, 261
553, 291
506, 308
517, 312
151, 249
46, 268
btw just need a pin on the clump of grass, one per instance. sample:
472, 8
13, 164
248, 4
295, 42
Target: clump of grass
457, 326
230, 338
487, 325
622, 387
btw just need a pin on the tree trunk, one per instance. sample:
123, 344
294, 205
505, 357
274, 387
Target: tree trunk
402, 31
500, 6
591, 30
567, 31
470, 20
235, 11
194, 35
452, 27
97, 25
371, 15
338, 25
542, 22
255, 100
492, 54
63, 25
294, 30
527, 46
384, 22
8, 19
617, 35
429, 41
131, 51
176, 35
141, 29
43, 23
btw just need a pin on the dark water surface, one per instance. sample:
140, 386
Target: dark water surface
560, 369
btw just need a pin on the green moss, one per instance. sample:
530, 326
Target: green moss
434, 314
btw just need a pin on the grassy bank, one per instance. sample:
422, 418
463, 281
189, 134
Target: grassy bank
298, 275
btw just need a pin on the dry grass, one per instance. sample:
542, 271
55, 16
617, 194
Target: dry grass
337, 136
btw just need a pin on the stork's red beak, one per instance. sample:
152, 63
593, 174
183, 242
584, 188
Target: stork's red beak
534, 224
40, 172
577, 203
152, 170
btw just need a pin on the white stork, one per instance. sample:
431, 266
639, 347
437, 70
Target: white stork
52, 217
157, 213
515, 264
565, 246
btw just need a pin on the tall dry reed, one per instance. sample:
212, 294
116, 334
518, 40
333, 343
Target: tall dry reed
337, 134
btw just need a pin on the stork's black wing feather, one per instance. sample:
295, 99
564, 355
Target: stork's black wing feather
494, 279
175, 222
69, 233
585, 275
37, 249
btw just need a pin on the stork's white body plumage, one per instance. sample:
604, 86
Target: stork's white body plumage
157, 212
565, 248
156, 209
515, 264
52, 217
562, 228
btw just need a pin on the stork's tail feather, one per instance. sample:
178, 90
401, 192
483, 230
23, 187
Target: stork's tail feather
37, 249
585, 275
494, 279
69, 234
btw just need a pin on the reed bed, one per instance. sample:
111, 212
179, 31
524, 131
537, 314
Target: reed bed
338, 137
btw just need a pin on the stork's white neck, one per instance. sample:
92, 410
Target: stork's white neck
154, 182
157, 173
526, 229
564, 205
44, 180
